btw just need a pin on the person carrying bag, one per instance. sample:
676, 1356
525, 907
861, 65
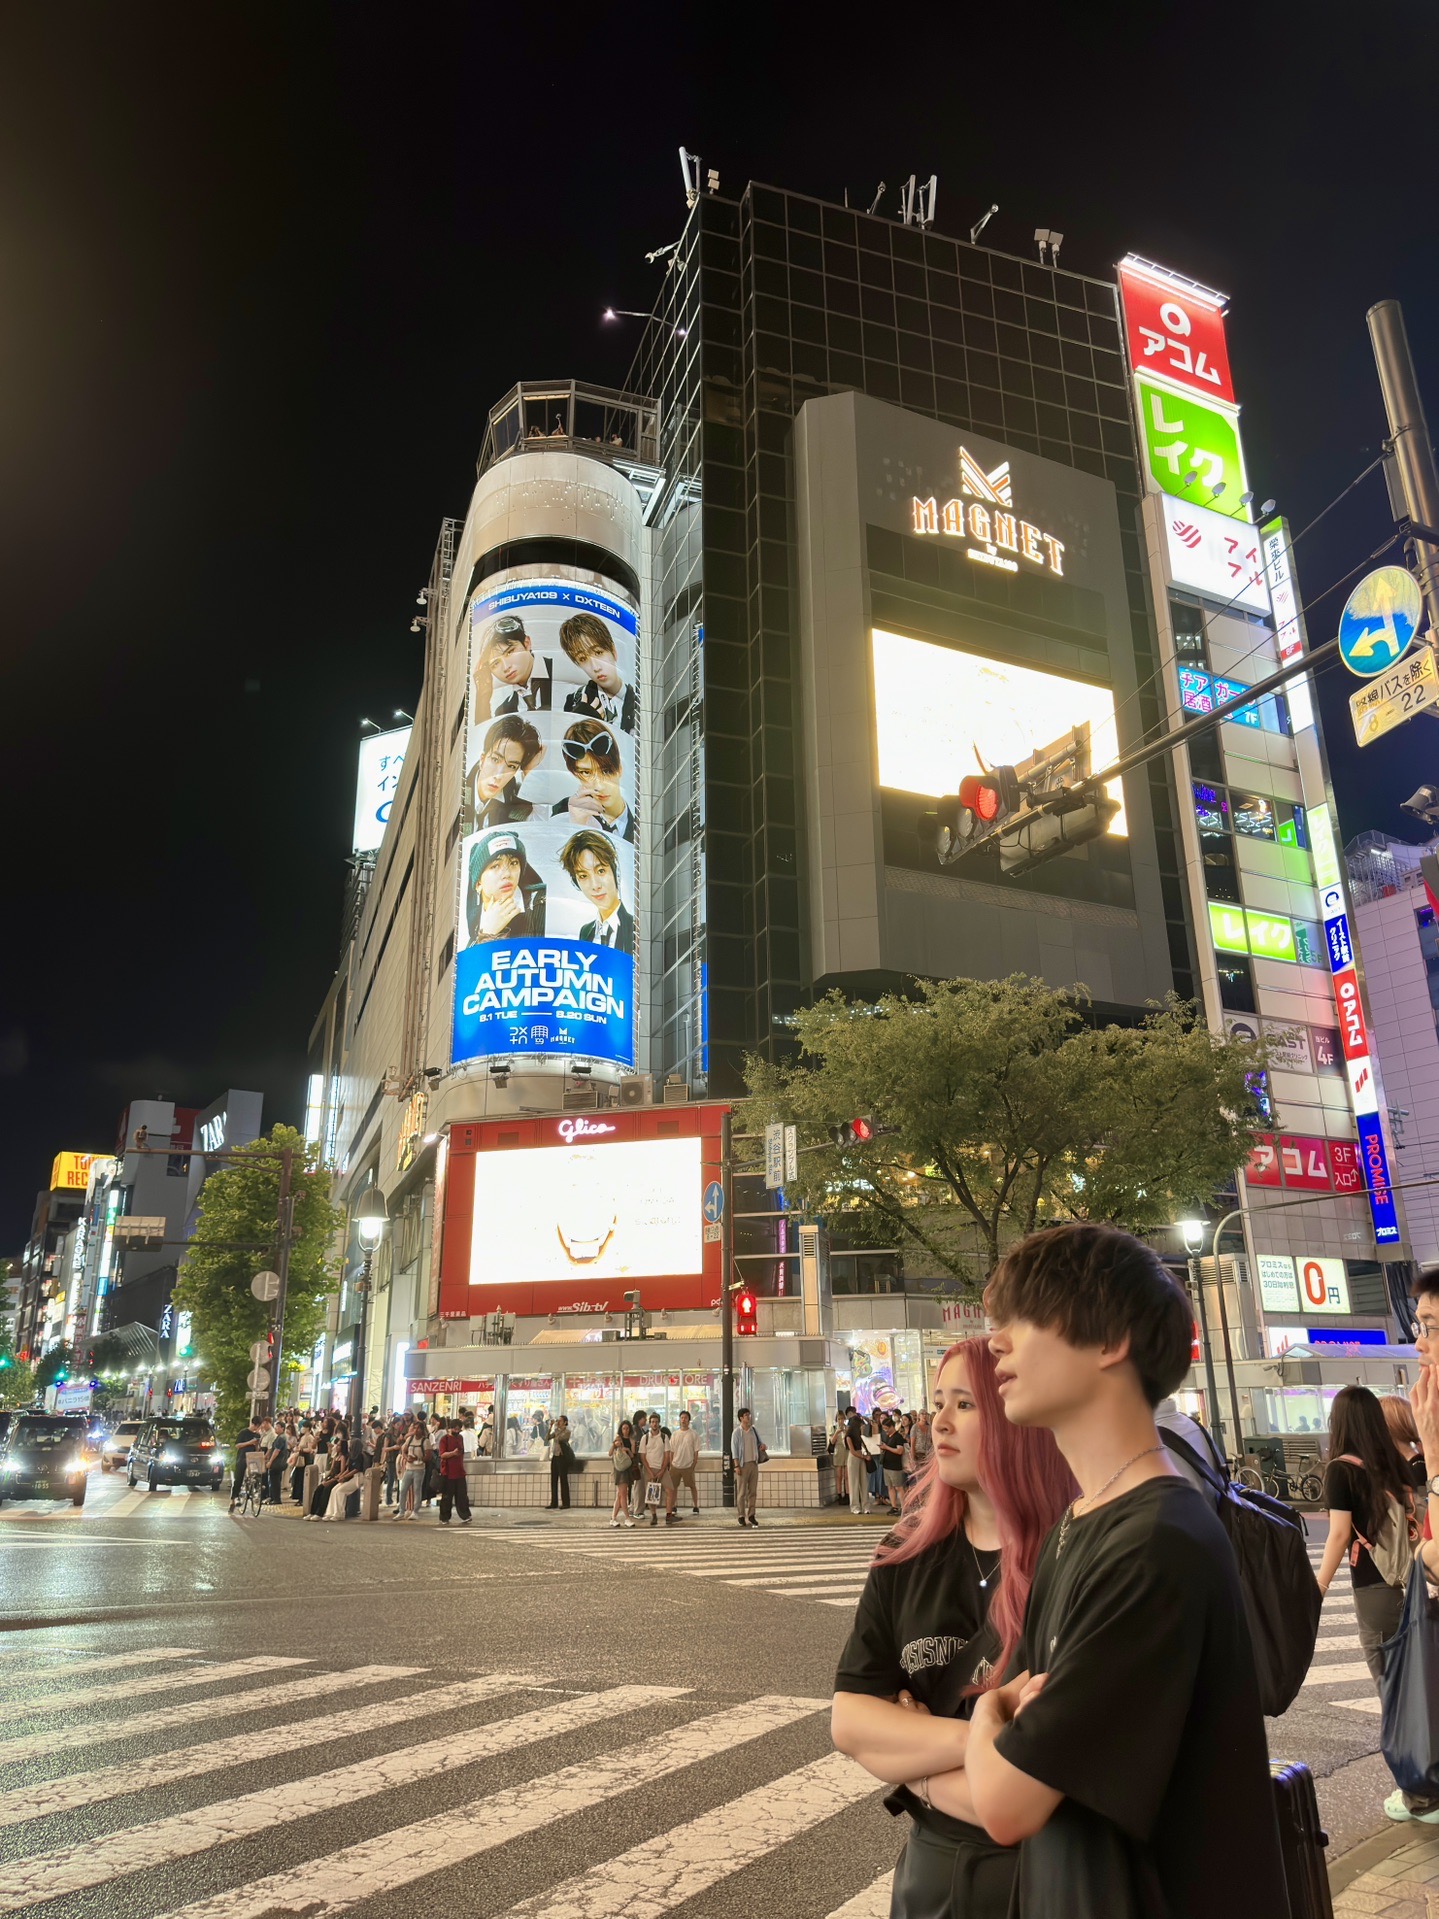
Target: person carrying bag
1409, 1692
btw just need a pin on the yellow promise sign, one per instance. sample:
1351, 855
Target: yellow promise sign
1387, 701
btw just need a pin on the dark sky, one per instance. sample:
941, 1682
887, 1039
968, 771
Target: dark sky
263, 270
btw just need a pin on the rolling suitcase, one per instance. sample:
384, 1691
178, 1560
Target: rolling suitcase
1302, 1841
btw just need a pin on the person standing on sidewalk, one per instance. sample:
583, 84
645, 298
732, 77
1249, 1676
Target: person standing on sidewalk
856, 1462
453, 1490
891, 1459
622, 1456
1364, 1474
562, 1463
414, 1455
655, 1458
684, 1457
246, 1440
747, 1451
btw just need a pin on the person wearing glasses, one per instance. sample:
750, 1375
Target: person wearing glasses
505, 896
510, 677
592, 864
592, 755
589, 644
492, 789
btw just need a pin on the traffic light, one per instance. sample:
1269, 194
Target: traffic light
853, 1132
746, 1315
1080, 814
983, 802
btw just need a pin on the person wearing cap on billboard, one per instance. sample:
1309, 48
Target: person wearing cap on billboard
590, 645
593, 865
510, 677
492, 787
505, 896
592, 755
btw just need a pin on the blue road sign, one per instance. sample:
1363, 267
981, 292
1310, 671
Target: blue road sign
1379, 621
714, 1202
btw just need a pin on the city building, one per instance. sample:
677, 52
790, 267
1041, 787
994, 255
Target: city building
1395, 912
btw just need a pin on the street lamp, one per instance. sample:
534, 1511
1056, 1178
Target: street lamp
1192, 1233
371, 1217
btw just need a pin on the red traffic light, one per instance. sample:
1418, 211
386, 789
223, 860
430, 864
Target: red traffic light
852, 1132
746, 1318
861, 1129
980, 794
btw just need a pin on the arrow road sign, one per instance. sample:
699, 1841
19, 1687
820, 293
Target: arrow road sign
266, 1286
714, 1202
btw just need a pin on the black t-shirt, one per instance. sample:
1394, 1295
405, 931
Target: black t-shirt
891, 1451
854, 1435
1349, 1489
1149, 1722
921, 1627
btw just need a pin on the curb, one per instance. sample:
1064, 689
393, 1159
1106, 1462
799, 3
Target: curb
1369, 1853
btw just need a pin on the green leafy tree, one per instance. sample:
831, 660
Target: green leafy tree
17, 1380
236, 1237
52, 1366
1002, 1111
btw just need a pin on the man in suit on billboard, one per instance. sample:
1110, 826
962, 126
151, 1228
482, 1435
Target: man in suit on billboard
510, 677
604, 696
590, 860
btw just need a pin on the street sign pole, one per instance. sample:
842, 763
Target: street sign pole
1409, 439
726, 1311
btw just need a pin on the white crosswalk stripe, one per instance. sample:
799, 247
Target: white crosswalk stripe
872, 1903
200, 1674
82, 1668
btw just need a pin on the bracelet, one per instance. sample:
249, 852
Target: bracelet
923, 1790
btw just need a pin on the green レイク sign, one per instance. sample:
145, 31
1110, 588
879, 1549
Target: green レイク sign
1193, 448
1237, 930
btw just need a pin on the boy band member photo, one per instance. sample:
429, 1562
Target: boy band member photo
510, 677
492, 791
1126, 1755
604, 696
592, 755
505, 896
590, 860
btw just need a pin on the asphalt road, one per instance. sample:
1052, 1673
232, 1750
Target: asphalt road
234, 1719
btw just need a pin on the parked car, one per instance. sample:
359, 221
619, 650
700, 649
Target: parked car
177, 1452
43, 1457
115, 1451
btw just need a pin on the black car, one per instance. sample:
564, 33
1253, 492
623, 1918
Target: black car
177, 1452
42, 1456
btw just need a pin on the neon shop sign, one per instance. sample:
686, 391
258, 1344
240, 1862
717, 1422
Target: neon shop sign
985, 517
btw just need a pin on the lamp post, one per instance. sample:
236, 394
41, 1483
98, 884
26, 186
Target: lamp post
371, 1216
1192, 1231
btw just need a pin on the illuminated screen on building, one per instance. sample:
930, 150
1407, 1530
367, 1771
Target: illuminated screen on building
568, 1213
941, 714
545, 932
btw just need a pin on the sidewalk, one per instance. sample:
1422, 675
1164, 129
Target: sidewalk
1402, 1885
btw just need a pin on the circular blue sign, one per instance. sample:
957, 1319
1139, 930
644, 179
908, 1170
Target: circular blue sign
1379, 621
714, 1202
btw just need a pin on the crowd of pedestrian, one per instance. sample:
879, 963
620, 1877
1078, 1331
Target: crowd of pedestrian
421, 1461
877, 1457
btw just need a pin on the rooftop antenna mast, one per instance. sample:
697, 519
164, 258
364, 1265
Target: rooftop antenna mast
981, 223
916, 203
690, 168
879, 195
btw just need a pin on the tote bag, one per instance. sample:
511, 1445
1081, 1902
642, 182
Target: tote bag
1409, 1728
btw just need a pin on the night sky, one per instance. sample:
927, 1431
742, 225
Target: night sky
264, 269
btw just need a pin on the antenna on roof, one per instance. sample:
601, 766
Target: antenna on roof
981, 223
879, 195
690, 161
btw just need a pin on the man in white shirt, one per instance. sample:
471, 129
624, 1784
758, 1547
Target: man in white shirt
519, 678
684, 1457
589, 643
655, 1458
593, 866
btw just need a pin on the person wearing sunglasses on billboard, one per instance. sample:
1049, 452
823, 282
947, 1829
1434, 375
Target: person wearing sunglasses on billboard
592, 755
492, 788
589, 644
505, 896
510, 677
593, 865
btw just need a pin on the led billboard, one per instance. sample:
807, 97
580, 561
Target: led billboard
627, 1210
382, 755
70, 1172
545, 930
940, 714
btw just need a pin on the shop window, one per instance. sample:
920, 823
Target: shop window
588, 1401
529, 1407
1211, 809
1236, 986
1309, 947
1253, 816
1292, 824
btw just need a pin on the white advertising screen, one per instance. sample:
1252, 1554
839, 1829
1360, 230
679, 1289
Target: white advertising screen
941, 714
628, 1211
381, 757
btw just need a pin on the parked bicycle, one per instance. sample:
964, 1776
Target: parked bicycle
1306, 1487
252, 1496
1243, 1474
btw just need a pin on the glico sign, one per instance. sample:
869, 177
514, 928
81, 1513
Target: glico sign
985, 516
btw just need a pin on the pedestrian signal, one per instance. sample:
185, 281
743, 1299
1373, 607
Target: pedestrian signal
853, 1132
984, 801
746, 1314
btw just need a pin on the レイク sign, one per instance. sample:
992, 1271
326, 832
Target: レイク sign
985, 516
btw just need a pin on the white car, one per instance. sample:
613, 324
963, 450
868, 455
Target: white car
115, 1453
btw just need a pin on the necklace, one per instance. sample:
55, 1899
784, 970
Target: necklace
1071, 1511
983, 1576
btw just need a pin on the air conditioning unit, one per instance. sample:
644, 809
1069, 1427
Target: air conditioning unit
582, 1099
677, 1091
637, 1090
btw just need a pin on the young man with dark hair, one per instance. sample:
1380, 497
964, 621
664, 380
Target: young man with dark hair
593, 865
492, 786
510, 677
1128, 1757
592, 755
588, 642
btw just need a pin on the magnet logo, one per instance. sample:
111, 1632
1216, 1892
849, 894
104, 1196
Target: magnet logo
998, 533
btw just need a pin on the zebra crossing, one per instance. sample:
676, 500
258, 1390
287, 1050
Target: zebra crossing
108, 1499
1339, 1676
507, 1739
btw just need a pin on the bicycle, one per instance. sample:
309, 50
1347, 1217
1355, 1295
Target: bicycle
1243, 1474
1304, 1487
252, 1496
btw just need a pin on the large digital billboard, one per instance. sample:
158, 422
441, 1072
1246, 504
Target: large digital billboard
545, 932
623, 1210
941, 714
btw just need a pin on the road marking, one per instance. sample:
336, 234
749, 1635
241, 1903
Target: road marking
82, 1668
678, 1865
322, 1887
1376, 1706
93, 1861
1342, 1674
40, 1745
872, 1903
167, 1682
169, 1768
96, 1539
801, 1582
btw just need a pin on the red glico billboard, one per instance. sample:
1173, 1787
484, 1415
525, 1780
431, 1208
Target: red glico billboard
569, 1213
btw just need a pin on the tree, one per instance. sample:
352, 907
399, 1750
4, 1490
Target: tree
52, 1367
236, 1238
998, 1111
17, 1380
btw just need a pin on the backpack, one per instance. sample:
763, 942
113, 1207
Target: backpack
1392, 1548
1281, 1595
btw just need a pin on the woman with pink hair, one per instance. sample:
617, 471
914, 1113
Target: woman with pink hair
937, 1624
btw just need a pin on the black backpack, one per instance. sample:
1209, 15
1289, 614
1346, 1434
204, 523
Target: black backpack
1281, 1595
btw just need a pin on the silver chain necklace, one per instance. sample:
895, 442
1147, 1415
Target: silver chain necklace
1071, 1511
983, 1576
